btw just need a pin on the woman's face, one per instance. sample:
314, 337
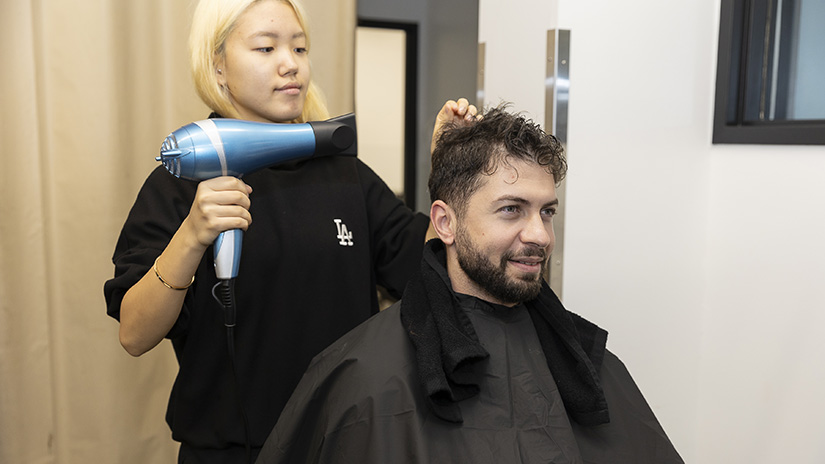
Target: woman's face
265, 65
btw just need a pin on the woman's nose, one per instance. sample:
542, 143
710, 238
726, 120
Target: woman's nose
288, 64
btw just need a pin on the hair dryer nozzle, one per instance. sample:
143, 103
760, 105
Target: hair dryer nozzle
336, 136
169, 155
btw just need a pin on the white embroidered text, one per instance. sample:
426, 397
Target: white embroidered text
344, 235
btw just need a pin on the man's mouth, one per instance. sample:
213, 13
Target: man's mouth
527, 265
528, 262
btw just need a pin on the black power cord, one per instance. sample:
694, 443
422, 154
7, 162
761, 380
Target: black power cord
224, 294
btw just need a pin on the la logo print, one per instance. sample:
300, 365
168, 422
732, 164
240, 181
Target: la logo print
344, 236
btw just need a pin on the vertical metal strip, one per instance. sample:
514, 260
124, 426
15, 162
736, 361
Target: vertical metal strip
557, 98
482, 55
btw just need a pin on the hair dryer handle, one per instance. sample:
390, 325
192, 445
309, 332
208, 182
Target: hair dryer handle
228, 253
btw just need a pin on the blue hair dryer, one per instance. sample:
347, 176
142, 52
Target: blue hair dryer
231, 147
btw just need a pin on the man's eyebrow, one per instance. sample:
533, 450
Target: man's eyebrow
510, 198
523, 201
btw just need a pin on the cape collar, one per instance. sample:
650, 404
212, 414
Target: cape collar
448, 352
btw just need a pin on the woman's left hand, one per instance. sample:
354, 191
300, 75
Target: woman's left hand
453, 112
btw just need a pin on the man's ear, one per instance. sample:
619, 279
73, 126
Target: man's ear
443, 220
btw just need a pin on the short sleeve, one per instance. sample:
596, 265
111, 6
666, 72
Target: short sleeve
398, 233
161, 205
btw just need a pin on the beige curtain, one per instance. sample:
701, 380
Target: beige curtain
89, 90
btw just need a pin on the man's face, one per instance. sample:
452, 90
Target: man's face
504, 238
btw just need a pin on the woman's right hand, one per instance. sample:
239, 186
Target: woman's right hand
220, 204
149, 309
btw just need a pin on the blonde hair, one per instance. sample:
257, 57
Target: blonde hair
212, 23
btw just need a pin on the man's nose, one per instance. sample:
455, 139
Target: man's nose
538, 231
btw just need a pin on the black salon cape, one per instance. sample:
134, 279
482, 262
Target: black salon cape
360, 402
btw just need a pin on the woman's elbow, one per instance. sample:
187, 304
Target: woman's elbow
131, 344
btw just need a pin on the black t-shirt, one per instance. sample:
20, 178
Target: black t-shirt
324, 232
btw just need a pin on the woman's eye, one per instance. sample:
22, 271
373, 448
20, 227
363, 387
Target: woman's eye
301, 50
265, 49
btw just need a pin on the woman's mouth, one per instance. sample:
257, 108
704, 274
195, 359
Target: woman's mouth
290, 89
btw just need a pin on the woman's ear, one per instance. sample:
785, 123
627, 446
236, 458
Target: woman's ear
443, 220
220, 75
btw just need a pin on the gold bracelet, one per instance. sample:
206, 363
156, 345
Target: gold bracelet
164, 282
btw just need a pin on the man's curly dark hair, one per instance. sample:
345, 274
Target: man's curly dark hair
465, 152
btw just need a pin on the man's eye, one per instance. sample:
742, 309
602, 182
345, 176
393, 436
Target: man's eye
301, 50
550, 212
265, 49
510, 209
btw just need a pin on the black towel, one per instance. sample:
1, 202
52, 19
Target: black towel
448, 351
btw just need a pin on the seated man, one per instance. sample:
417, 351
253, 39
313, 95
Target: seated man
479, 362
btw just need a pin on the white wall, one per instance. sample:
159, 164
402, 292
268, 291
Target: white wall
515, 34
763, 374
701, 260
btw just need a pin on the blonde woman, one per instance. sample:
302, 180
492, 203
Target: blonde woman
299, 288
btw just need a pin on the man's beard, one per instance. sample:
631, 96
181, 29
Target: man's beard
493, 279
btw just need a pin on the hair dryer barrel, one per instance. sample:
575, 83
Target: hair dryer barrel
230, 147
